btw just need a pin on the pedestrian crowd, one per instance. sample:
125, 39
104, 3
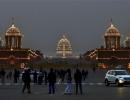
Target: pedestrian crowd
49, 78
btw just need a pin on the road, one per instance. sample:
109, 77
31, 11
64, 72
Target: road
91, 92
93, 89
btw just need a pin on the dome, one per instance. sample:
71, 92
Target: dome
13, 31
112, 31
64, 40
64, 47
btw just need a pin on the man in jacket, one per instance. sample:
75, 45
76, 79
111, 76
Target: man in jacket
78, 81
51, 81
26, 79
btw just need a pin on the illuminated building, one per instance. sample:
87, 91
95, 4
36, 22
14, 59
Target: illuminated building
127, 42
64, 48
13, 37
1, 42
112, 38
12, 52
112, 53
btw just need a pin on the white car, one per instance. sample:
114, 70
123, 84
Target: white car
118, 77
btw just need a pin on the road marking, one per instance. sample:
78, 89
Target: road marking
88, 83
100, 83
16, 84
91, 83
7, 83
32, 83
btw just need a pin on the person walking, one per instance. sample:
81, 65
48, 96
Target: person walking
94, 69
51, 81
83, 74
2, 72
35, 77
40, 77
86, 73
45, 77
26, 79
9, 76
68, 88
78, 81
15, 76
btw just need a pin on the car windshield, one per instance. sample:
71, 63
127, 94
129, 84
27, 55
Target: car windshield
121, 73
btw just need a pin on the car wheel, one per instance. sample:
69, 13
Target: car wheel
107, 83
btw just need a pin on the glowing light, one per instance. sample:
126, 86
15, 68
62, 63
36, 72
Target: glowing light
13, 30
28, 58
102, 65
96, 58
64, 48
112, 25
113, 49
112, 31
121, 81
12, 26
129, 66
22, 65
11, 49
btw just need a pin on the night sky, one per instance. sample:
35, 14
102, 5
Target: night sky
84, 22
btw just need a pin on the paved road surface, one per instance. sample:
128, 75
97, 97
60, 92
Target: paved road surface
91, 92
93, 88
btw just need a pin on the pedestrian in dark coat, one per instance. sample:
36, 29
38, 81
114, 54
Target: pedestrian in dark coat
15, 75
78, 81
45, 75
40, 77
35, 76
51, 81
3, 73
26, 79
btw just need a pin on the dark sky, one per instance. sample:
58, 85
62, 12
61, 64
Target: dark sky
43, 22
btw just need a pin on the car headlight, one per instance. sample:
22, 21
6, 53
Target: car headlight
121, 80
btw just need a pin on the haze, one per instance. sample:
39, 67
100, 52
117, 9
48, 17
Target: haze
43, 22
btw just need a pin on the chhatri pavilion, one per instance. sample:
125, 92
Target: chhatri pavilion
12, 52
112, 53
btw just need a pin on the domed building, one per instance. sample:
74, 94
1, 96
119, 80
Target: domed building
13, 37
64, 48
111, 54
12, 52
112, 37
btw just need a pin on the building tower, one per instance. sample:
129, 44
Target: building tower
64, 48
13, 37
127, 42
1, 42
112, 38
